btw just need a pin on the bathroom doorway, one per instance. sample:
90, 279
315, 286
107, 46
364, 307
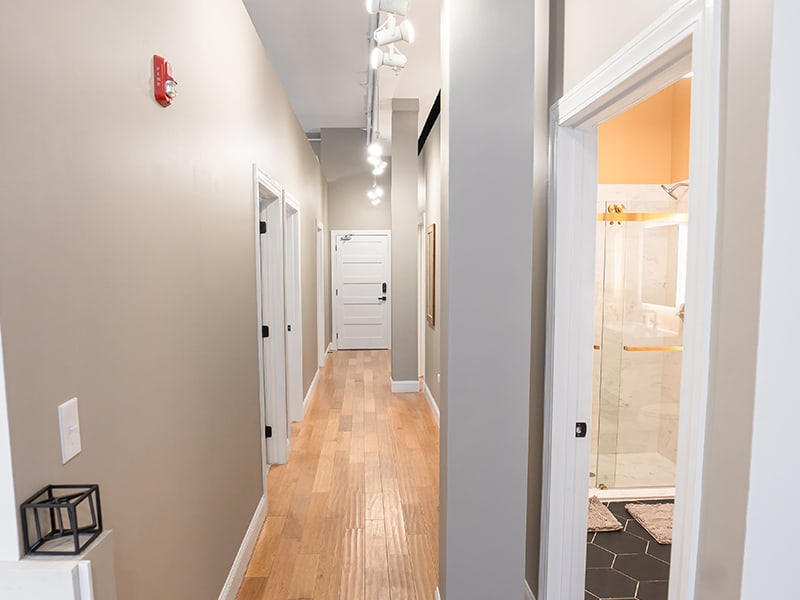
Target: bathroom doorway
639, 310
683, 40
640, 295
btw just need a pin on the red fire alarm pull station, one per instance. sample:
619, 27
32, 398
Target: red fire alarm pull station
163, 80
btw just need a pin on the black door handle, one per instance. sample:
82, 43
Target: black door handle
382, 298
383, 287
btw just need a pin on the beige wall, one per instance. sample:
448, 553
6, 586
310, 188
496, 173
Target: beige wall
127, 269
595, 31
430, 172
343, 159
405, 238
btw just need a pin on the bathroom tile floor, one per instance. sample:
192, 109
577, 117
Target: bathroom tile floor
627, 564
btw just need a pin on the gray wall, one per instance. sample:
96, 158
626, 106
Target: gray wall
430, 172
127, 269
487, 142
405, 238
343, 157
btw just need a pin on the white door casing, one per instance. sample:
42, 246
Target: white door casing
293, 310
361, 289
270, 307
320, 237
686, 38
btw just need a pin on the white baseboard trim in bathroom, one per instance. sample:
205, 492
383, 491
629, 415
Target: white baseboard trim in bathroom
310, 393
431, 402
236, 574
528, 593
405, 387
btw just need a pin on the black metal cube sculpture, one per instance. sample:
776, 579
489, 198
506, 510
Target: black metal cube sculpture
61, 520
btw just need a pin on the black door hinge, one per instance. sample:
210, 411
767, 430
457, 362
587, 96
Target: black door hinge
262, 226
289, 327
267, 432
265, 331
580, 430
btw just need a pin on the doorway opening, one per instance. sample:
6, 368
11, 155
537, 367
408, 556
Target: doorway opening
639, 308
616, 279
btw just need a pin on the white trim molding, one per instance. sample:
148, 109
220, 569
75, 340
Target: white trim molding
405, 387
239, 567
330, 349
431, 402
437, 595
310, 393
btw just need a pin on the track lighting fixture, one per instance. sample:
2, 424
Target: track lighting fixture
374, 160
390, 32
378, 191
395, 7
379, 168
376, 201
375, 149
372, 195
393, 58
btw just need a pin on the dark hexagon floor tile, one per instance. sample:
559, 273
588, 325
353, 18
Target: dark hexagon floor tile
598, 558
633, 527
653, 590
642, 567
608, 583
620, 542
589, 536
662, 551
589, 596
618, 508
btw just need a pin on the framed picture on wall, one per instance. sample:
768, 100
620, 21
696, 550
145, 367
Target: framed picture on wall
430, 274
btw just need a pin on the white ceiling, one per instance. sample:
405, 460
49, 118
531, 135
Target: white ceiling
320, 50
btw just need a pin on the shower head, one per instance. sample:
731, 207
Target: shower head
671, 189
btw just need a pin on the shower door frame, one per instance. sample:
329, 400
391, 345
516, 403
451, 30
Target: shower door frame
686, 38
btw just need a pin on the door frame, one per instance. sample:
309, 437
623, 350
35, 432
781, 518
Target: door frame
320, 250
271, 367
335, 274
685, 38
293, 308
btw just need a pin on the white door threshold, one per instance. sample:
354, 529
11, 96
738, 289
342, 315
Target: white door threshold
666, 493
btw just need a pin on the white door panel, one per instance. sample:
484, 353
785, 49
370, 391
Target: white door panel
361, 305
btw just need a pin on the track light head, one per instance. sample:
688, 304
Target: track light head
379, 58
378, 191
376, 201
374, 160
379, 169
395, 33
375, 149
395, 7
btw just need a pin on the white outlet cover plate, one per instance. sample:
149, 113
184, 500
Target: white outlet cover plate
69, 426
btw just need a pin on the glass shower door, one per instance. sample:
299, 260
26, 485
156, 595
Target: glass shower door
640, 301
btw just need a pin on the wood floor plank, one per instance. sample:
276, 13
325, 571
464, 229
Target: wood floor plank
353, 515
304, 577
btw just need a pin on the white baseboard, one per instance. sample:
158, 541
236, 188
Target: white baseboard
431, 402
528, 593
330, 348
236, 575
437, 595
405, 387
310, 393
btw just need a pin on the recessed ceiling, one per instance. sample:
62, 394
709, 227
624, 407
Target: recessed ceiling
320, 50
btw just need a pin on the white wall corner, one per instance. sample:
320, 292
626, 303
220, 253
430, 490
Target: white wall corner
431, 402
239, 567
528, 593
405, 387
310, 393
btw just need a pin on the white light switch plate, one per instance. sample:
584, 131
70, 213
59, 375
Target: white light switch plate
70, 429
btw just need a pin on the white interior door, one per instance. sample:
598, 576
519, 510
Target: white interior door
361, 289
294, 320
271, 324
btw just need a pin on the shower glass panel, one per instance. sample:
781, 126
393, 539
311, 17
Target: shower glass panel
639, 306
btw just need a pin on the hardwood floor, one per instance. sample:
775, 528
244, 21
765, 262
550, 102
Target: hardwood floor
354, 513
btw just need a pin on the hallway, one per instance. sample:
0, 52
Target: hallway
353, 514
